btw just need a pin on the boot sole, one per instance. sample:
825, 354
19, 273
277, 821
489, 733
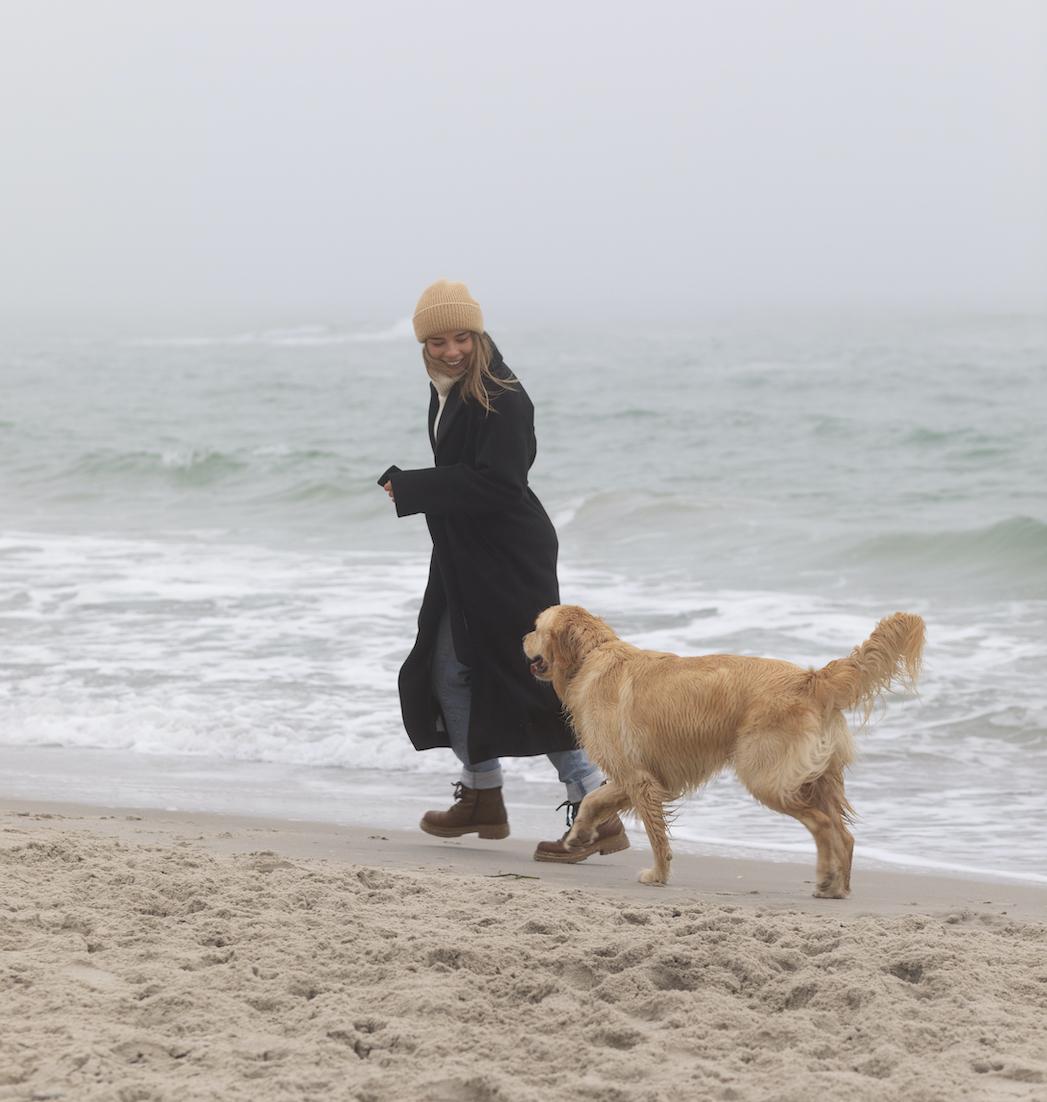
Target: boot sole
573, 856
489, 832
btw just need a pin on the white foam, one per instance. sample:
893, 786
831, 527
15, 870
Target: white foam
207, 647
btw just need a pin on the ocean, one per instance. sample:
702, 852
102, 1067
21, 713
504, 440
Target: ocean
196, 564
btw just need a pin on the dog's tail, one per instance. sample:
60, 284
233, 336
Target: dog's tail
891, 655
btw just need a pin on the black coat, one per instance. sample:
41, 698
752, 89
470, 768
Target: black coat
494, 569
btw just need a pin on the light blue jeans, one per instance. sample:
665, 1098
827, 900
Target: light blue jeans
451, 683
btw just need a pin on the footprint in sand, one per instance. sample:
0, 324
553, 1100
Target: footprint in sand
95, 978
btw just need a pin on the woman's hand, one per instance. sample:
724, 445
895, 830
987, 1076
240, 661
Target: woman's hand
388, 487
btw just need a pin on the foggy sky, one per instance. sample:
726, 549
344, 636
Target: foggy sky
324, 160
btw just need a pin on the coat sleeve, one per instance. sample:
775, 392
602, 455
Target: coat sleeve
504, 454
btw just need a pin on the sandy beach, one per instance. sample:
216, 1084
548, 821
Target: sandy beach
151, 955
726, 322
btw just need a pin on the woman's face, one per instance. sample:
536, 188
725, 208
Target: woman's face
451, 351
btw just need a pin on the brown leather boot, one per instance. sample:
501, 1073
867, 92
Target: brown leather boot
610, 838
475, 811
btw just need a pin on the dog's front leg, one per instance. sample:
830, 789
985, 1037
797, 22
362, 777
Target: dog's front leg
597, 807
649, 800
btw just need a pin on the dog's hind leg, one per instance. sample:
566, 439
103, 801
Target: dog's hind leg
799, 772
649, 800
832, 867
848, 844
832, 839
597, 807
841, 813
828, 794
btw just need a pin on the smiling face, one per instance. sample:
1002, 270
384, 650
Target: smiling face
450, 353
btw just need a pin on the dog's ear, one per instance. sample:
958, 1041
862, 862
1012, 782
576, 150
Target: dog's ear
561, 654
572, 635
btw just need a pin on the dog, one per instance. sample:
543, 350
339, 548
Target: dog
660, 726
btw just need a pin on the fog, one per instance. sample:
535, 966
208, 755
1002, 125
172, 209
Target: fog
323, 160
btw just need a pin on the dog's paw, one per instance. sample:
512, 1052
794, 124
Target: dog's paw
579, 839
831, 889
652, 876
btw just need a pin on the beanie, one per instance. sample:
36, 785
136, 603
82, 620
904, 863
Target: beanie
444, 308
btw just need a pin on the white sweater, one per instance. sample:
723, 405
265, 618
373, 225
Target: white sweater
444, 385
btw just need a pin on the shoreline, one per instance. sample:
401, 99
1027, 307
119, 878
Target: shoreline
339, 796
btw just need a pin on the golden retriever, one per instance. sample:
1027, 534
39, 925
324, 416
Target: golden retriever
660, 726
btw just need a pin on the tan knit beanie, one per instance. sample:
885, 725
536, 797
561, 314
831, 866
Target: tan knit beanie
445, 307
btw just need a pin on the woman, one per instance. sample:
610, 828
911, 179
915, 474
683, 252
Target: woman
466, 684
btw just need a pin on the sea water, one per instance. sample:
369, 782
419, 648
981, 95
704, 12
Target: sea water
195, 559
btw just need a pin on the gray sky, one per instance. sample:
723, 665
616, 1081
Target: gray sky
317, 160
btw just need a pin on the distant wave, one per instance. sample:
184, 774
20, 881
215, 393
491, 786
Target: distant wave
202, 466
1014, 550
661, 511
185, 464
298, 336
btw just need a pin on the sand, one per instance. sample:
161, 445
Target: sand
151, 955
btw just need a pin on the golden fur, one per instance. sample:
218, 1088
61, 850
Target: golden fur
660, 726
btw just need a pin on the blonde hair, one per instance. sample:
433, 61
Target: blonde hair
477, 377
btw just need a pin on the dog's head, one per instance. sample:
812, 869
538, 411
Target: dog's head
563, 637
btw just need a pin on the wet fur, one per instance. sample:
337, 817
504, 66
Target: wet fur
660, 726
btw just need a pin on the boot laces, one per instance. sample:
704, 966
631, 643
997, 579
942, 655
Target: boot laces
572, 811
459, 792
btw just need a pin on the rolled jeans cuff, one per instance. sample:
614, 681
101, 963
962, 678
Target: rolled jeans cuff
578, 790
482, 778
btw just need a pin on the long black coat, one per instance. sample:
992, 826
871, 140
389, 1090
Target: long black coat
494, 569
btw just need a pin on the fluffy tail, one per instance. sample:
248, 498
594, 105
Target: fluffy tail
892, 654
